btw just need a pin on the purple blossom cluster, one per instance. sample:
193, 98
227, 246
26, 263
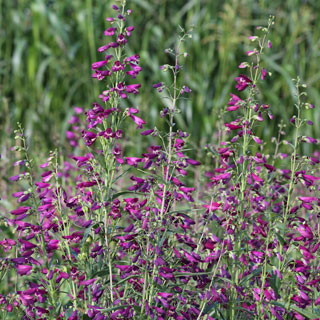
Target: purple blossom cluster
108, 235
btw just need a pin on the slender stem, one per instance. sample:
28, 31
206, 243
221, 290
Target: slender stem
203, 303
248, 124
293, 166
106, 240
169, 154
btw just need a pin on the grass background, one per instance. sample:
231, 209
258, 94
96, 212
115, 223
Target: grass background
47, 47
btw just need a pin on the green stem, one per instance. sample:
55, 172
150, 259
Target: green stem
293, 168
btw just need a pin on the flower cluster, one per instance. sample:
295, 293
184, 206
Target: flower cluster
111, 235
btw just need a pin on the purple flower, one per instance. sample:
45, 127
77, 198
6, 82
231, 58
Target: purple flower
243, 65
53, 245
122, 39
117, 66
310, 140
252, 52
89, 137
212, 206
137, 120
99, 64
193, 162
133, 161
157, 85
87, 282
20, 210
104, 48
256, 139
23, 269
110, 31
234, 125
164, 112
234, 103
242, 82
26, 245
147, 132
15, 178
62, 275
179, 144
129, 30
305, 231
185, 89
86, 184
133, 88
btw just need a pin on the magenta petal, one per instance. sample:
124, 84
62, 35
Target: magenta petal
20, 210
23, 269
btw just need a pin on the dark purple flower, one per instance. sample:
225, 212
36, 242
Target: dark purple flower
234, 103
242, 82
147, 132
53, 245
193, 162
23, 269
157, 85
15, 178
133, 88
99, 64
89, 137
129, 30
256, 139
122, 39
234, 125
117, 66
110, 31
138, 121
133, 161
20, 210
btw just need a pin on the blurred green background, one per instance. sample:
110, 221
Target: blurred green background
47, 47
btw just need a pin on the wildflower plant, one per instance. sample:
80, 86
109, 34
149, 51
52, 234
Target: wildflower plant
110, 235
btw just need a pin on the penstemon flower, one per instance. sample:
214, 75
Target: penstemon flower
112, 235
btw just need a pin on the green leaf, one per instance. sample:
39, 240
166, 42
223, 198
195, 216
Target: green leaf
75, 254
126, 279
209, 307
136, 308
213, 306
244, 309
183, 274
280, 238
114, 308
68, 313
118, 194
99, 158
251, 275
86, 234
121, 175
158, 177
101, 273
